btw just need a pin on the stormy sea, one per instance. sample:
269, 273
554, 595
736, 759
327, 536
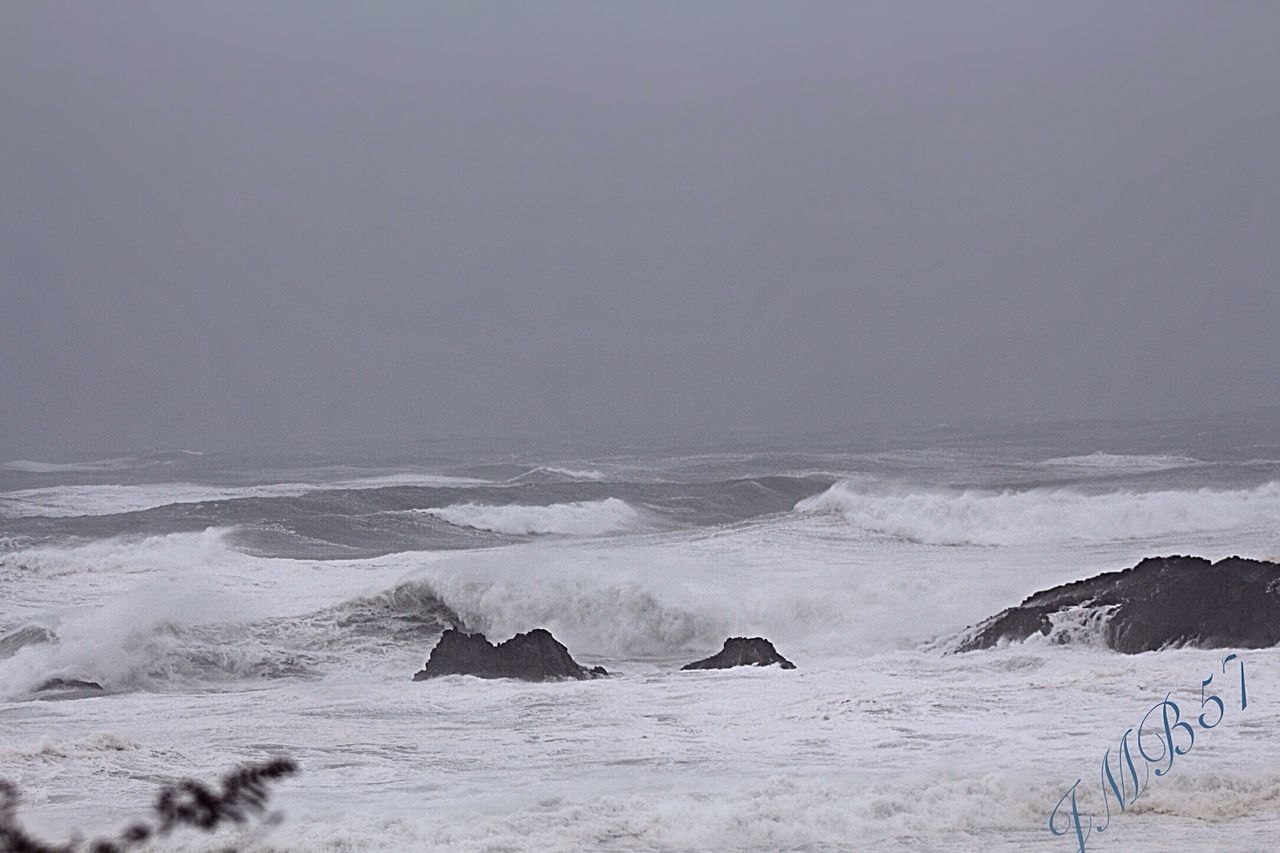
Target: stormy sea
233, 608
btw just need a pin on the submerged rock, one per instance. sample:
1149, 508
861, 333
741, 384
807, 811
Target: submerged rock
69, 684
1162, 601
743, 651
535, 656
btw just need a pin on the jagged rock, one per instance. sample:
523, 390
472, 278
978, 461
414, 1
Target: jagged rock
743, 651
1162, 601
69, 684
535, 656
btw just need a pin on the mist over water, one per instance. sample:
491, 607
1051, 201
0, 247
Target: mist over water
283, 227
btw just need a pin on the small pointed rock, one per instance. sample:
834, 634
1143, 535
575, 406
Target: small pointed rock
743, 651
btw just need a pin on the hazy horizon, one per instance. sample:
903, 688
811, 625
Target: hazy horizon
313, 226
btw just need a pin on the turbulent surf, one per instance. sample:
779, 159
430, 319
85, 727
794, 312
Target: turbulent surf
234, 608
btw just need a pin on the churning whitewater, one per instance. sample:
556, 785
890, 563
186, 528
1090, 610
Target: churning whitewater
234, 609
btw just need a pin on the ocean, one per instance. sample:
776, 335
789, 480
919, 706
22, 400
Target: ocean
239, 607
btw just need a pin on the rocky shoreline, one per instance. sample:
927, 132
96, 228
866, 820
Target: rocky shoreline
538, 656
1160, 603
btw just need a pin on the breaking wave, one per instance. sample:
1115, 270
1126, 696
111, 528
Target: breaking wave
28, 635
605, 618
579, 518
1041, 516
122, 649
121, 555
162, 642
80, 500
556, 473
1115, 463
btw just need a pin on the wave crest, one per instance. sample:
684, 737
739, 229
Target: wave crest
69, 501
1120, 463
599, 617
579, 518
1034, 516
152, 641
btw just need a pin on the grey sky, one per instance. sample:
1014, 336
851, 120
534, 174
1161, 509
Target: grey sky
301, 224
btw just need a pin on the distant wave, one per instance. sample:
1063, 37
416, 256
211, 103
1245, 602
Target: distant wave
113, 464
1116, 463
33, 467
68, 501
76, 500
579, 518
973, 517
575, 473
555, 473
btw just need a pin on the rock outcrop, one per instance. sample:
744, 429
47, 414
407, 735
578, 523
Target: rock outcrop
535, 656
70, 684
1162, 601
743, 651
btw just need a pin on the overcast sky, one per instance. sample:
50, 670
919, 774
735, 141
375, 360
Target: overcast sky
308, 224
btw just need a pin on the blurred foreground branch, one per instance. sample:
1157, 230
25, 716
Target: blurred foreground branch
243, 794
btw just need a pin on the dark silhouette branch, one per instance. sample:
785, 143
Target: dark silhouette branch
243, 794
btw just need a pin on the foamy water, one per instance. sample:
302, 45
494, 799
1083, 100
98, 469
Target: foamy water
879, 740
64, 501
580, 518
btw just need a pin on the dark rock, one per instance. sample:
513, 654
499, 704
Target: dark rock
535, 656
1162, 601
1016, 623
743, 651
68, 684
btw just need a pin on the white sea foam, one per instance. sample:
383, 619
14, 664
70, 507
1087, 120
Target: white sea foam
562, 472
898, 752
972, 517
608, 617
32, 466
222, 657
576, 473
51, 749
122, 644
796, 579
380, 481
1078, 625
109, 560
1121, 462
75, 500
579, 518
186, 609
